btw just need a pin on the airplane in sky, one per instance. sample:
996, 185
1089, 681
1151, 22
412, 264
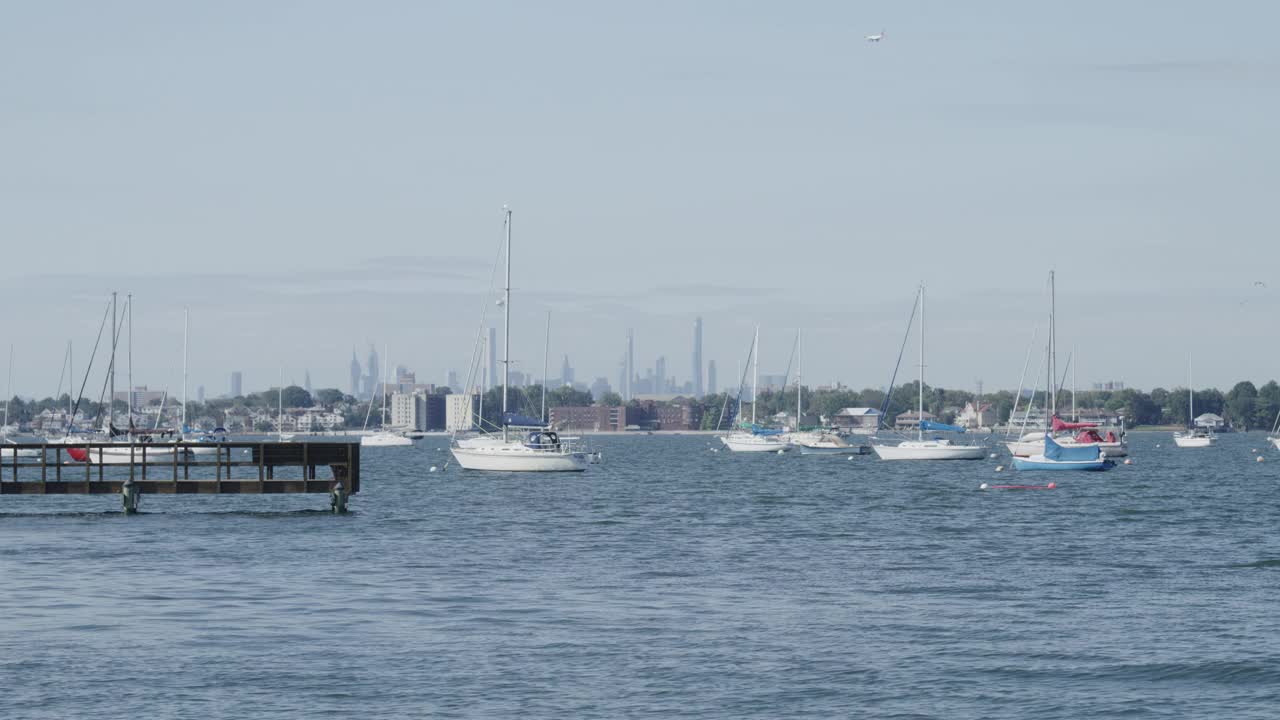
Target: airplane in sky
877, 37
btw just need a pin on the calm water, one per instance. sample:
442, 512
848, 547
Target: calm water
669, 582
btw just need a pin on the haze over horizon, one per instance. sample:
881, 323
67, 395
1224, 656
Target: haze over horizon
312, 177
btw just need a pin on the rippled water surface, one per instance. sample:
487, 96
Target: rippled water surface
670, 581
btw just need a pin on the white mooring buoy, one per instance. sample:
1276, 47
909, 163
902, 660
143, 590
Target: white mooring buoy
433, 468
1261, 459
999, 468
983, 486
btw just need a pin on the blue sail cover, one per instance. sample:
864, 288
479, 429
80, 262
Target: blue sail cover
758, 430
929, 425
1054, 451
522, 420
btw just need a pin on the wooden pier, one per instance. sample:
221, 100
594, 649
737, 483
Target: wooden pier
181, 468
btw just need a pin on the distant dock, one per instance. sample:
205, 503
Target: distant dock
181, 468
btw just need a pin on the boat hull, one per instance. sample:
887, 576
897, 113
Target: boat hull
510, 459
1193, 442
755, 443
1276, 441
1028, 448
1039, 462
385, 441
929, 451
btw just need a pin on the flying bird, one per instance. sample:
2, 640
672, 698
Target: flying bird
876, 37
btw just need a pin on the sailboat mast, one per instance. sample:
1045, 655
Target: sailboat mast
128, 306
71, 378
755, 373
1053, 344
8, 390
280, 408
386, 377
1191, 397
111, 397
506, 326
184, 369
799, 371
920, 389
546, 349
1075, 363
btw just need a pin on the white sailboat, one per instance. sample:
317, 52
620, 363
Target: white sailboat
138, 445
755, 439
1274, 437
1193, 437
933, 448
384, 437
525, 445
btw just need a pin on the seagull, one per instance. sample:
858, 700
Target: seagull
876, 37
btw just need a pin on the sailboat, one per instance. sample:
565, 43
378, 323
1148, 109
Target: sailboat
525, 444
818, 441
7, 433
1067, 434
384, 437
1193, 437
754, 438
1063, 457
933, 448
139, 444
1274, 437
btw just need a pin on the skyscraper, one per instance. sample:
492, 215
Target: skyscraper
306, 382
660, 376
355, 374
697, 357
371, 376
630, 361
711, 377
566, 373
492, 347
237, 384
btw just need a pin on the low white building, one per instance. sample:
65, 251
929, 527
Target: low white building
1210, 421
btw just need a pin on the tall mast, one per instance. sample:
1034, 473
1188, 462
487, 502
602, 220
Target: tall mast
506, 325
546, 348
1191, 397
1075, 363
920, 389
755, 373
184, 369
8, 391
111, 397
280, 408
386, 377
799, 370
128, 306
1053, 344
71, 378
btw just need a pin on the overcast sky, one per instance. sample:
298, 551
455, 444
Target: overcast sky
310, 176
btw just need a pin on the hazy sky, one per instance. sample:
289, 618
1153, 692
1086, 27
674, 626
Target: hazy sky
310, 176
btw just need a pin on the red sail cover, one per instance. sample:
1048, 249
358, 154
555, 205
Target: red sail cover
1059, 425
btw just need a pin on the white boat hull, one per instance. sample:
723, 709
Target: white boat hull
747, 442
122, 456
513, 458
385, 440
1028, 448
929, 450
1194, 441
1276, 441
